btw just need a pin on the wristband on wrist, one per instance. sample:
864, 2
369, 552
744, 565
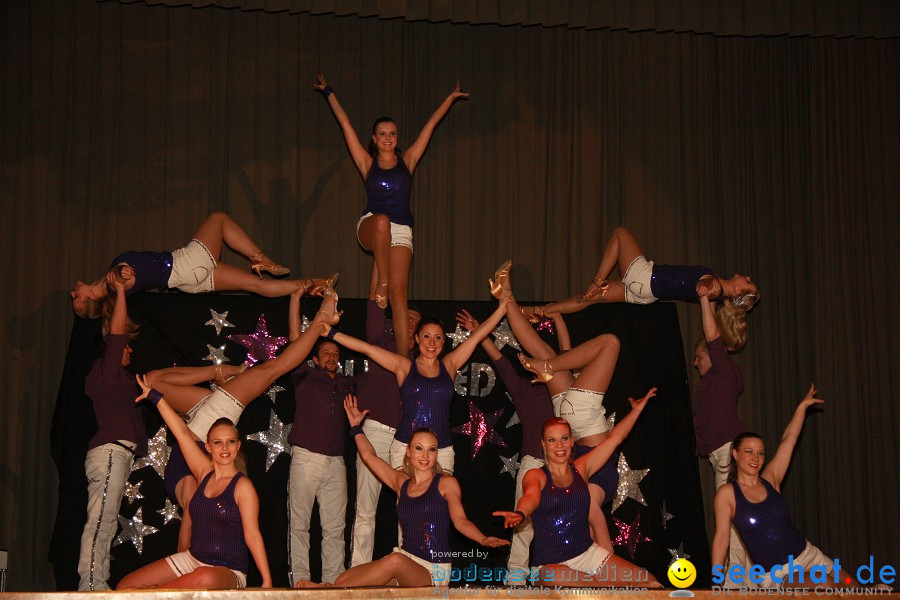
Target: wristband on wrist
154, 396
331, 333
327, 91
521, 514
356, 430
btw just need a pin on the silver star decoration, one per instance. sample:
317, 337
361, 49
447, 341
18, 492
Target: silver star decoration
677, 554
513, 420
274, 439
304, 323
458, 336
134, 530
169, 512
219, 321
157, 454
610, 422
216, 355
132, 491
510, 465
503, 335
273, 390
666, 516
628, 484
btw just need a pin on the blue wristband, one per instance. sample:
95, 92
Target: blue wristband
331, 333
521, 514
327, 91
356, 430
154, 397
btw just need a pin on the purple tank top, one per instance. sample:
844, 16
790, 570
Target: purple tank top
678, 282
217, 534
766, 527
387, 192
151, 270
560, 522
425, 523
426, 403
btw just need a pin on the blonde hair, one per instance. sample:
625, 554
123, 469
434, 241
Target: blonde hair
90, 309
240, 463
731, 317
107, 305
407, 467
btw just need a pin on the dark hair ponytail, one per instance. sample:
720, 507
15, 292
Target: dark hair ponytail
735, 446
373, 148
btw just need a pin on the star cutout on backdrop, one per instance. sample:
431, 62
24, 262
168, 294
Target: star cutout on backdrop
132, 491
260, 345
546, 323
666, 516
630, 534
503, 335
513, 420
304, 323
169, 512
272, 391
458, 336
216, 355
134, 530
480, 429
628, 483
677, 554
219, 321
157, 454
610, 422
274, 439
510, 465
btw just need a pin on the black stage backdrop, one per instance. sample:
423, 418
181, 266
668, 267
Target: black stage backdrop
174, 331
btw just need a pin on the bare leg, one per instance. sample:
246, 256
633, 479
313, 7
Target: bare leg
597, 519
228, 277
204, 578
608, 576
537, 347
398, 292
375, 236
396, 566
219, 228
190, 375
155, 574
621, 250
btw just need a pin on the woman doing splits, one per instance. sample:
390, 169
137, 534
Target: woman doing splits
427, 502
194, 269
754, 504
644, 282
385, 227
426, 383
224, 512
556, 498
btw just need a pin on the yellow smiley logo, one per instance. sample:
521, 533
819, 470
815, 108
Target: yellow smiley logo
682, 573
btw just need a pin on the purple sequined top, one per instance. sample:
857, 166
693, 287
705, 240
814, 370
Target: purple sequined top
388, 191
766, 527
533, 405
112, 391
377, 388
678, 282
560, 522
151, 270
716, 420
426, 403
425, 523
217, 533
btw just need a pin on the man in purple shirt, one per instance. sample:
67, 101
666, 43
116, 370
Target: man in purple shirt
317, 456
120, 437
716, 422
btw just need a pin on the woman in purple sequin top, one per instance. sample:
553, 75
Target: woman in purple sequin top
753, 503
385, 228
425, 509
644, 282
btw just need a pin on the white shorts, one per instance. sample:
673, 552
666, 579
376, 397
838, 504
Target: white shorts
192, 269
590, 561
583, 409
810, 557
440, 572
401, 235
637, 282
209, 410
184, 563
446, 456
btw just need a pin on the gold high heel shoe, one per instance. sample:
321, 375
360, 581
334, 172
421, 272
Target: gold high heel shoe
598, 286
316, 285
542, 376
381, 299
335, 315
500, 277
536, 315
259, 262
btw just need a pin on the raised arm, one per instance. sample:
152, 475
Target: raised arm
708, 314
295, 323
248, 505
470, 324
532, 484
414, 153
197, 460
360, 157
459, 355
449, 488
594, 460
118, 322
775, 470
723, 507
397, 364
390, 476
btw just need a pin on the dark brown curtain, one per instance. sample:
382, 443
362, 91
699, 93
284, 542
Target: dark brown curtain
123, 125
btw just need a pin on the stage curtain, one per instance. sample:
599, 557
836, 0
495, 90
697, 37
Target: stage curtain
124, 125
842, 18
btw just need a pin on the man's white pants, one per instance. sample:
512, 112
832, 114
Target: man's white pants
368, 488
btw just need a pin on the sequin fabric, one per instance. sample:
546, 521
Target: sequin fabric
561, 521
151, 270
388, 191
217, 534
426, 403
425, 523
678, 282
766, 527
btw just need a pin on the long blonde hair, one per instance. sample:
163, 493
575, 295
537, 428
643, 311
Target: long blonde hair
731, 317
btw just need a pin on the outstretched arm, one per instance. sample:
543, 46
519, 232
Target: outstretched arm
295, 324
532, 484
119, 321
594, 460
197, 460
398, 364
459, 355
357, 151
778, 466
449, 488
390, 476
414, 153
708, 313
470, 324
248, 505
